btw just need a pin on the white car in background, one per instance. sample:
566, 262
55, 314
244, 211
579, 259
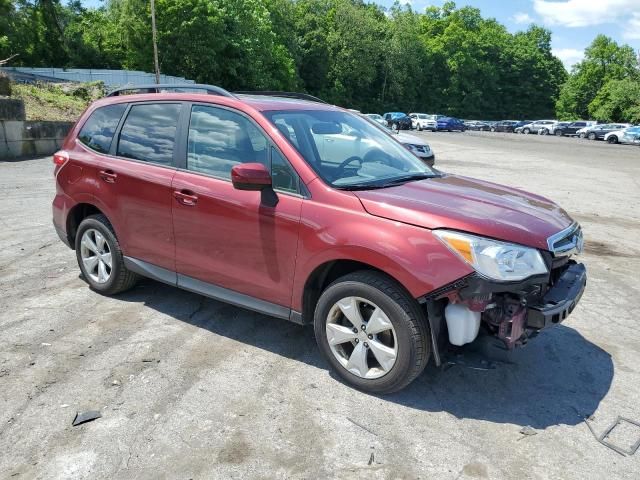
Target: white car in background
629, 135
376, 117
423, 121
614, 137
413, 143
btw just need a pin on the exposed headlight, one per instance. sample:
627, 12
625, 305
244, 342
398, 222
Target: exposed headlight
493, 259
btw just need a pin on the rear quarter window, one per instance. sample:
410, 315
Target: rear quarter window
97, 132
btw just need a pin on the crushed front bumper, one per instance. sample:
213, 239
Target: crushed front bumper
560, 300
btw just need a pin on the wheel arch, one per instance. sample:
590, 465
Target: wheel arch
326, 273
76, 215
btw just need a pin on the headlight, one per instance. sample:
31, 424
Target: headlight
493, 259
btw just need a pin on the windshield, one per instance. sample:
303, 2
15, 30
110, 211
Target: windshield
348, 151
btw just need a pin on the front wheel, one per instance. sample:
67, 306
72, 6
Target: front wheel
419, 127
558, 133
526, 131
372, 332
612, 139
100, 257
592, 136
581, 135
395, 127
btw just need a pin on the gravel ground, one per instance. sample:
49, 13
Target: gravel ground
192, 388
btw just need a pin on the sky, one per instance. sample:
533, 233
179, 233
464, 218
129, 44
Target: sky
573, 23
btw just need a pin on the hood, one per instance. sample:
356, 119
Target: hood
408, 138
469, 205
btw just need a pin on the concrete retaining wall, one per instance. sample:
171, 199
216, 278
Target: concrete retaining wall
19, 139
12, 109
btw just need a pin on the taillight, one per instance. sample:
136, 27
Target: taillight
60, 158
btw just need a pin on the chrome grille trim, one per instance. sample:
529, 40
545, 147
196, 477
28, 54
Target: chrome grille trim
566, 242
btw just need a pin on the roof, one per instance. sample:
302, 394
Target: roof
257, 102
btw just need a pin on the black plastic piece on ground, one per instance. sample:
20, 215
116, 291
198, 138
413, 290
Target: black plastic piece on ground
85, 417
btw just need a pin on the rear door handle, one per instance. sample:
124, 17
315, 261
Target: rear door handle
108, 176
186, 197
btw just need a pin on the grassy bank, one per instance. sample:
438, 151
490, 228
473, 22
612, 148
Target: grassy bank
61, 102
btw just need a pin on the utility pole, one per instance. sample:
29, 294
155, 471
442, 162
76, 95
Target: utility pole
155, 41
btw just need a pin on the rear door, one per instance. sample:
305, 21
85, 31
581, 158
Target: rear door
135, 181
227, 237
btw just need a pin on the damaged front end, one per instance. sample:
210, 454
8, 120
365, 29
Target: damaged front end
513, 311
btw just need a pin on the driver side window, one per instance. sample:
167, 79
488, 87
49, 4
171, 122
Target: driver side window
219, 139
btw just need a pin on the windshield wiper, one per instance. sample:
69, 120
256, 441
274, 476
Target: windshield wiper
409, 178
391, 183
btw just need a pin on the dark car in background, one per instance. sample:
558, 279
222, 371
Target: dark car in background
504, 126
597, 132
521, 123
450, 124
477, 125
397, 120
570, 129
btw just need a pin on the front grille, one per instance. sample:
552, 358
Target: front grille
566, 242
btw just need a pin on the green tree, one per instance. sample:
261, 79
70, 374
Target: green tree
604, 61
617, 101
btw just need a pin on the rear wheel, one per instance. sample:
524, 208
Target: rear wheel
592, 136
526, 131
581, 135
493, 129
372, 332
558, 133
419, 127
100, 258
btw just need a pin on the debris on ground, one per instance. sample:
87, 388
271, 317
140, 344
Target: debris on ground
527, 431
603, 438
85, 417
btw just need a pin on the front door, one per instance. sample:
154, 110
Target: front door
224, 236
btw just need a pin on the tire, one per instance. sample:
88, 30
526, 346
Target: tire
581, 135
407, 336
591, 136
612, 139
395, 127
119, 278
544, 131
558, 133
419, 127
526, 131
493, 129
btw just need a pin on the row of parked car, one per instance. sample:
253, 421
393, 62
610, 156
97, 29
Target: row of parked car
609, 132
418, 121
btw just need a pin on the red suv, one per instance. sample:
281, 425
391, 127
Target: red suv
246, 199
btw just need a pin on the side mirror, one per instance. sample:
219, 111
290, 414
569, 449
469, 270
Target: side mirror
255, 177
250, 176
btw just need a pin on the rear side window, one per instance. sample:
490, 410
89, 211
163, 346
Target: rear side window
149, 133
97, 132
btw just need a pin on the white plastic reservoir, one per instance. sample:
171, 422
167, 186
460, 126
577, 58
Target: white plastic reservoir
463, 324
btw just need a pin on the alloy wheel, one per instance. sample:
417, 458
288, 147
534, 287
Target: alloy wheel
96, 255
361, 337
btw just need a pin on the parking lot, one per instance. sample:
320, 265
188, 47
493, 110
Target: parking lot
192, 388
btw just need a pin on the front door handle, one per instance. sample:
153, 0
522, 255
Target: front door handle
108, 176
186, 197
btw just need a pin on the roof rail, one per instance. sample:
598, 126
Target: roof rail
299, 96
158, 87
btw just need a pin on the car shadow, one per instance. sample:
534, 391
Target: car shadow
558, 378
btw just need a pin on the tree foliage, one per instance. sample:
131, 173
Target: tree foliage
446, 60
604, 63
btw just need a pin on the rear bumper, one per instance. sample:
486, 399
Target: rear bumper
62, 235
560, 300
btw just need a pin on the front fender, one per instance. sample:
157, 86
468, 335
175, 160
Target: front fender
411, 255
